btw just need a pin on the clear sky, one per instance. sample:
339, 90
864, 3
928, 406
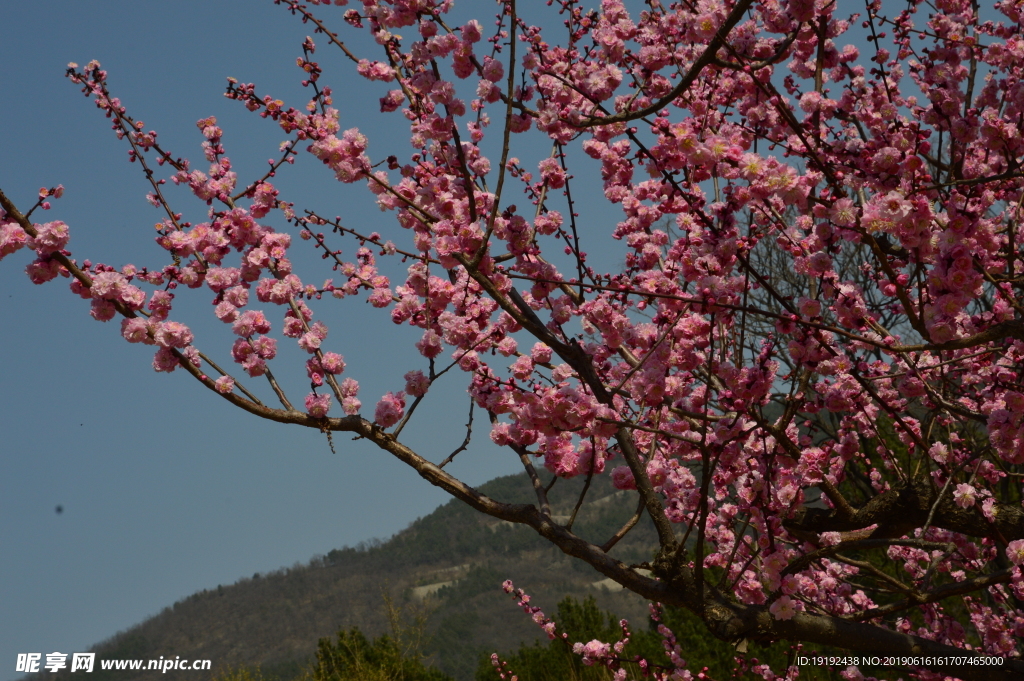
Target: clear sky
165, 488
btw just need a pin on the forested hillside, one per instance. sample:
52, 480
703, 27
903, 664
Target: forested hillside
447, 567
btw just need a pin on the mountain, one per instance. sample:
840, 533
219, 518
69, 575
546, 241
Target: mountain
446, 568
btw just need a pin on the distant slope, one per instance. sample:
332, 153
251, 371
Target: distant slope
448, 565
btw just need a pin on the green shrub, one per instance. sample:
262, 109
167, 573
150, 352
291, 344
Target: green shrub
354, 658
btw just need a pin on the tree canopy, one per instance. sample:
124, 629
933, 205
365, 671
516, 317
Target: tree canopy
806, 371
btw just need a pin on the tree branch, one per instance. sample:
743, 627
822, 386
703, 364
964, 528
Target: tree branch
705, 59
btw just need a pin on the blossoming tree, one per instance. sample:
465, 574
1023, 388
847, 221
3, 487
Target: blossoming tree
807, 371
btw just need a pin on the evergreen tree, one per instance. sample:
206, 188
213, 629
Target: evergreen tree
354, 658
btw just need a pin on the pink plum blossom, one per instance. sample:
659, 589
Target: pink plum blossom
784, 608
318, 405
50, 237
173, 335
592, 652
12, 238
965, 495
1015, 551
389, 409
416, 383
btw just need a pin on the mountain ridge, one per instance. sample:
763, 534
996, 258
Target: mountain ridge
446, 567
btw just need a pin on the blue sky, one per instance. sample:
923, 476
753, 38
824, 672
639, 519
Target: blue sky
165, 488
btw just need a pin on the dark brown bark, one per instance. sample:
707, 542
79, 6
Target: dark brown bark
906, 507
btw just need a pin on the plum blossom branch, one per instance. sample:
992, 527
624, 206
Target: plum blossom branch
705, 59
